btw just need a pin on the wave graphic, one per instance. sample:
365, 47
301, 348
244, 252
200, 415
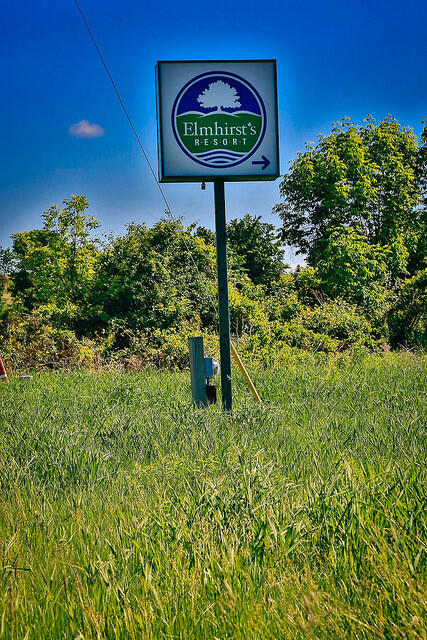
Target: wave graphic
219, 160
220, 157
230, 154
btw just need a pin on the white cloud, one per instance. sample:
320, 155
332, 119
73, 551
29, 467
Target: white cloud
86, 129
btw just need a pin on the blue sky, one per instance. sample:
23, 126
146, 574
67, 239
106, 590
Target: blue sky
334, 59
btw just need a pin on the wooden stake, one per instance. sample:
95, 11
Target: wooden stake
245, 373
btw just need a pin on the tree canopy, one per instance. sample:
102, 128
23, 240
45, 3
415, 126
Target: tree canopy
57, 263
355, 204
254, 247
259, 247
366, 176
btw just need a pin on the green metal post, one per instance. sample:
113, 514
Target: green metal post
224, 313
197, 370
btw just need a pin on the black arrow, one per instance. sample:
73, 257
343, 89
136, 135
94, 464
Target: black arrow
265, 162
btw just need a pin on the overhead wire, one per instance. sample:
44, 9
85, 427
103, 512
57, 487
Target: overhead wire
168, 209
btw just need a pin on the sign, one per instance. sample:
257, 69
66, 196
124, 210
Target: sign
217, 120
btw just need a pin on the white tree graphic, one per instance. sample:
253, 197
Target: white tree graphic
221, 95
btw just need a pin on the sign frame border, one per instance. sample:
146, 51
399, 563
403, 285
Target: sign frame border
210, 178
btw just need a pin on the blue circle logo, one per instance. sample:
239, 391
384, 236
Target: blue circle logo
219, 119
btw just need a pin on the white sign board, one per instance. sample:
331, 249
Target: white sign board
217, 119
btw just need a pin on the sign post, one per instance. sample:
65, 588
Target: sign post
224, 311
217, 122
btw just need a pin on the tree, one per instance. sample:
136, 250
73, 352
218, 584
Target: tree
6, 268
355, 270
407, 317
219, 94
147, 280
257, 244
418, 250
355, 204
207, 234
364, 176
56, 265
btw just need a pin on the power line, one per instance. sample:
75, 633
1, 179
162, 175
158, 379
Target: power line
168, 208
141, 146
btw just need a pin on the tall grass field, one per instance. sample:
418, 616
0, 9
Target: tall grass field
126, 513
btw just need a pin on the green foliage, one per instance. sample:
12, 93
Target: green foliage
4, 294
355, 270
31, 342
407, 317
254, 249
355, 204
207, 234
125, 513
422, 166
56, 264
258, 246
363, 176
134, 299
284, 299
147, 278
338, 319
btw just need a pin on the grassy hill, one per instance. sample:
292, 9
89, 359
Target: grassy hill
233, 132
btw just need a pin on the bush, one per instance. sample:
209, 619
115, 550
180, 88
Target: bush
340, 320
32, 342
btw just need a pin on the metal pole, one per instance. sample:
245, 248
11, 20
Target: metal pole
224, 312
197, 370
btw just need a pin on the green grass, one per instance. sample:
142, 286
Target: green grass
124, 513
